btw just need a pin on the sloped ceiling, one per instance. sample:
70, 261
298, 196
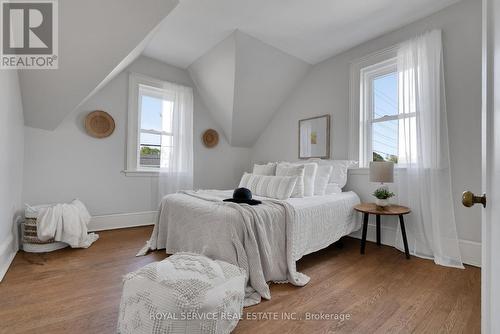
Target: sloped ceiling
214, 77
311, 30
266, 48
243, 81
96, 40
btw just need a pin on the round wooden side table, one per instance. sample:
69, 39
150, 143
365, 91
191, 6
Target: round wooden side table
390, 210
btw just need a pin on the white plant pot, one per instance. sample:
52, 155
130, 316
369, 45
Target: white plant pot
381, 202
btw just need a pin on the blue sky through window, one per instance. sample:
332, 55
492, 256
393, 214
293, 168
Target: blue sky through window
385, 102
151, 109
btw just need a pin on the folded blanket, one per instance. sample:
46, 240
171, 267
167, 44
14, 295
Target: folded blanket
66, 223
258, 238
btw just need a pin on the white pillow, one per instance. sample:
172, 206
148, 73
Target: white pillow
339, 171
332, 188
322, 178
267, 169
310, 169
279, 187
286, 169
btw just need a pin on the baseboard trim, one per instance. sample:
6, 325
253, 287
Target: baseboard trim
469, 250
121, 220
387, 234
8, 250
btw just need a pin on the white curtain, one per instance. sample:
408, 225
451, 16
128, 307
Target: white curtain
176, 160
423, 148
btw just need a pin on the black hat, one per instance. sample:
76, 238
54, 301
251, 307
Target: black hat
243, 195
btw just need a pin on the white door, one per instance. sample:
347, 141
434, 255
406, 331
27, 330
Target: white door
490, 274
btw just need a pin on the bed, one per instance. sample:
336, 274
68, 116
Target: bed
265, 240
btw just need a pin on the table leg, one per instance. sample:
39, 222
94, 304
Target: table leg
378, 230
365, 228
403, 232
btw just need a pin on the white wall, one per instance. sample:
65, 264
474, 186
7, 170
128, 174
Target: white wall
325, 90
67, 163
11, 165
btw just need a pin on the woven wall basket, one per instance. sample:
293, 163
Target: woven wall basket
99, 124
210, 138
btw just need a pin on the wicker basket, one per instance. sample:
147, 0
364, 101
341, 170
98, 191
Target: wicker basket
30, 233
31, 243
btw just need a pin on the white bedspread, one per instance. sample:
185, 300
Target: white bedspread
322, 220
265, 240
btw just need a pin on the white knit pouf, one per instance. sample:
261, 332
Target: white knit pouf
185, 293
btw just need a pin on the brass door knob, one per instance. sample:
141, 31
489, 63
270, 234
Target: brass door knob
469, 199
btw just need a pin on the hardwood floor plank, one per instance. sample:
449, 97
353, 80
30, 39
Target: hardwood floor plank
78, 291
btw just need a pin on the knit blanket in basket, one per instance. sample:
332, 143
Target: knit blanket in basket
66, 223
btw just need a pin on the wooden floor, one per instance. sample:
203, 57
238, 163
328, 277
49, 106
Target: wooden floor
78, 291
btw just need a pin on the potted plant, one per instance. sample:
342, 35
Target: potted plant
382, 196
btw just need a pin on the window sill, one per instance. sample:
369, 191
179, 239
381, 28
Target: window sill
141, 173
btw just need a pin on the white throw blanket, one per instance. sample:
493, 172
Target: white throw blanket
66, 223
258, 239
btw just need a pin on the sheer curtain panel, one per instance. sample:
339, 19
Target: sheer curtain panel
424, 180
176, 167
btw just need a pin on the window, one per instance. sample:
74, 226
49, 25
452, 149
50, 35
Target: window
155, 128
384, 118
154, 143
382, 127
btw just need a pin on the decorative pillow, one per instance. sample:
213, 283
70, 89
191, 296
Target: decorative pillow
310, 169
332, 188
279, 187
322, 178
286, 169
267, 169
339, 171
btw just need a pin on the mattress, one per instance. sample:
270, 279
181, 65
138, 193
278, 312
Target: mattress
320, 220
265, 240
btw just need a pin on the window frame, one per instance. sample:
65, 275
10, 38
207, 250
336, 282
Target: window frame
134, 130
359, 143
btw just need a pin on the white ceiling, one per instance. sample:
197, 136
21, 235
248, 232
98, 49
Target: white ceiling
311, 30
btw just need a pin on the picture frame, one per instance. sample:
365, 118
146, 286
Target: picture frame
314, 137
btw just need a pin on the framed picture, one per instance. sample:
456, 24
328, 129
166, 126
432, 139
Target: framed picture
314, 137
